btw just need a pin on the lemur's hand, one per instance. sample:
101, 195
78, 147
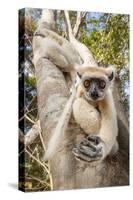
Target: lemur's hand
89, 150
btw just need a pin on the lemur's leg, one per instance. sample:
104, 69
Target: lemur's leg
48, 48
86, 116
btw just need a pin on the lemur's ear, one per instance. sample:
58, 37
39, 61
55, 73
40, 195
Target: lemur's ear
111, 76
110, 73
79, 75
80, 69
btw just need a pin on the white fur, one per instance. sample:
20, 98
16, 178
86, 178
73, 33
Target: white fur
57, 49
104, 126
109, 128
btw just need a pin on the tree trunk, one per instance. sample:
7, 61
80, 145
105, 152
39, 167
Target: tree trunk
67, 172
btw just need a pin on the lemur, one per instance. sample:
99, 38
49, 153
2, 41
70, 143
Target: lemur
91, 100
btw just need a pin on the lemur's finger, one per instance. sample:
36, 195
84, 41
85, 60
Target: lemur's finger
87, 151
92, 145
82, 157
89, 144
95, 139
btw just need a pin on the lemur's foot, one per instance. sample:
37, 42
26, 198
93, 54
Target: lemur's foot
89, 150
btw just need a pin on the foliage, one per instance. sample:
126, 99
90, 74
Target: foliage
109, 44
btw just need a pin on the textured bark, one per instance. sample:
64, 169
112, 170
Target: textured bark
67, 172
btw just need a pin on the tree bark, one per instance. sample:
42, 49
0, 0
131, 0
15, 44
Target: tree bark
53, 93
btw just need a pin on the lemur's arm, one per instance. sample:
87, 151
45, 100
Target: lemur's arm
109, 129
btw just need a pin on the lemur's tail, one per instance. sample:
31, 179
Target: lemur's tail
60, 128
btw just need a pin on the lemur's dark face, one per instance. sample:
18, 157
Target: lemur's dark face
95, 82
94, 88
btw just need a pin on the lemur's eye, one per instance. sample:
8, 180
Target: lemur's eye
86, 83
102, 84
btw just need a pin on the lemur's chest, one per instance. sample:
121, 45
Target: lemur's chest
81, 94
94, 104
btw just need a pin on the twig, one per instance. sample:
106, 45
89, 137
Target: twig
31, 135
83, 14
40, 163
79, 19
29, 119
27, 113
39, 180
27, 37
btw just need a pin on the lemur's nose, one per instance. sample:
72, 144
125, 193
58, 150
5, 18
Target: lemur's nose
94, 94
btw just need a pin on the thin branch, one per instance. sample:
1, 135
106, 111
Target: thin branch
77, 24
69, 27
26, 116
28, 111
83, 51
39, 180
43, 165
27, 37
31, 135
84, 14
79, 19
108, 18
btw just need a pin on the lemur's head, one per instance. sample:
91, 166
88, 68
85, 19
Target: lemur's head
95, 81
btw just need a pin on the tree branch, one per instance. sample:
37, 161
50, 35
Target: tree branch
42, 165
80, 16
31, 135
83, 51
47, 20
69, 27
